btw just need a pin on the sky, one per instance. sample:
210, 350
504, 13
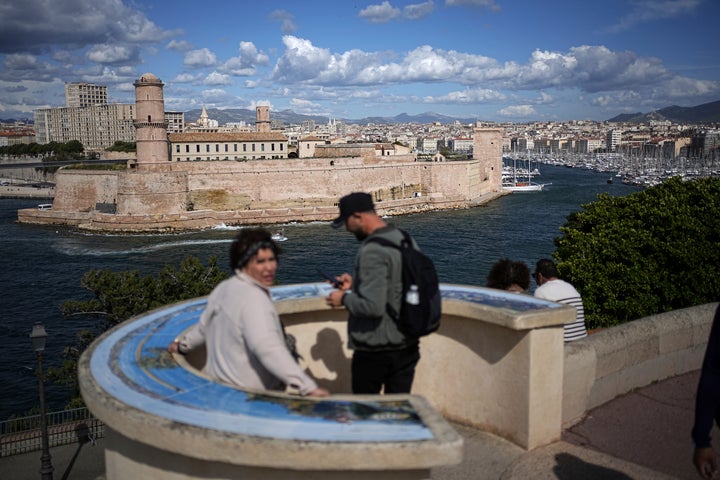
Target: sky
488, 60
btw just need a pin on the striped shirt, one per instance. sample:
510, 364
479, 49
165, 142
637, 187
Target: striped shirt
562, 292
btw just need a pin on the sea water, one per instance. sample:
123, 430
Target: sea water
42, 266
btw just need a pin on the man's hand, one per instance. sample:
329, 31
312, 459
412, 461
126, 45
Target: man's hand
706, 463
345, 281
335, 298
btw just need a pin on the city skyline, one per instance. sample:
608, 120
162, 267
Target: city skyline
493, 60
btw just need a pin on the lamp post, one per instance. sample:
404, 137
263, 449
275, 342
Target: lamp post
38, 336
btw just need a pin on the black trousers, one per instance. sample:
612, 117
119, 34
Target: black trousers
392, 369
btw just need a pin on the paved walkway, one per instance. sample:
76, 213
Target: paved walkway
644, 435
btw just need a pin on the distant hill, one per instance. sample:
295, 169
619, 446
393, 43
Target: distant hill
289, 117
29, 121
705, 113
424, 118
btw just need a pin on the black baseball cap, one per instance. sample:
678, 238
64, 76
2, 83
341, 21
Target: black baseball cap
353, 203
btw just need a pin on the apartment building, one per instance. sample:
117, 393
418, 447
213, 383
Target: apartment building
204, 146
461, 145
96, 127
613, 139
175, 122
427, 144
80, 94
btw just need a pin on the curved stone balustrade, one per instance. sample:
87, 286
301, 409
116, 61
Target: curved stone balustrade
495, 363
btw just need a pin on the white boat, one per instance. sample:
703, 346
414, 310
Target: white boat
514, 179
279, 236
522, 187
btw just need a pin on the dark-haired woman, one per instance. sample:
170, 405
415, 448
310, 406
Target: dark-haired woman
241, 328
510, 275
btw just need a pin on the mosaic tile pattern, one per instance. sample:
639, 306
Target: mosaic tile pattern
133, 365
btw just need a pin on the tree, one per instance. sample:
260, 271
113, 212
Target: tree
120, 146
118, 296
74, 148
645, 253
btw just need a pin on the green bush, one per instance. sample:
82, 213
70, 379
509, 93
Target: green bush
645, 253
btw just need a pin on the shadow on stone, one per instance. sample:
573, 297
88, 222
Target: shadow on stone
570, 467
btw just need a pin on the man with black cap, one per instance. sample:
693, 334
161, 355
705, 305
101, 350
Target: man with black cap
383, 357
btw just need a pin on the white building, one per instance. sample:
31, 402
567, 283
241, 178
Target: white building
461, 145
80, 94
203, 146
613, 139
96, 127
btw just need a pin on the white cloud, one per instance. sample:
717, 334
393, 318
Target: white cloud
469, 96
179, 45
488, 4
216, 96
381, 13
113, 54
186, 78
259, 103
307, 107
107, 75
286, 19
645, 11
590, 69
418, 10
38, 25
245, 64
24, 66
385, 12
200, 58
517, 111
216, 78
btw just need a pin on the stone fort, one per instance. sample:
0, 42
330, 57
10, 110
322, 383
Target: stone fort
155, 193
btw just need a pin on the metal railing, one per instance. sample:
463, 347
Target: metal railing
22, 435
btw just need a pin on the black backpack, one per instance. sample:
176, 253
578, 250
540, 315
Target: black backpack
420, 307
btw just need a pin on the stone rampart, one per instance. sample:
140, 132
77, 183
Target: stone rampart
152, 192
191, 195
82, 190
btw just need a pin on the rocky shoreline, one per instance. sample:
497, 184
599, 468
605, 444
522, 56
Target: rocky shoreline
201, 220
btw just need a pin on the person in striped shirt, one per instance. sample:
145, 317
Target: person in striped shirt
550, 287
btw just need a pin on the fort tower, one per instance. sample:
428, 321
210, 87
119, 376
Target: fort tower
262, 119
150, 124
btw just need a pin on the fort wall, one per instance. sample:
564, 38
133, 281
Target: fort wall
163, 196
193, 195
82, 190
156, 194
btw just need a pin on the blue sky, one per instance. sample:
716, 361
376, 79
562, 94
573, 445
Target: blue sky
491, 60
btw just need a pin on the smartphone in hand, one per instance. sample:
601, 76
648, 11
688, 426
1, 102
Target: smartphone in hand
329, 278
